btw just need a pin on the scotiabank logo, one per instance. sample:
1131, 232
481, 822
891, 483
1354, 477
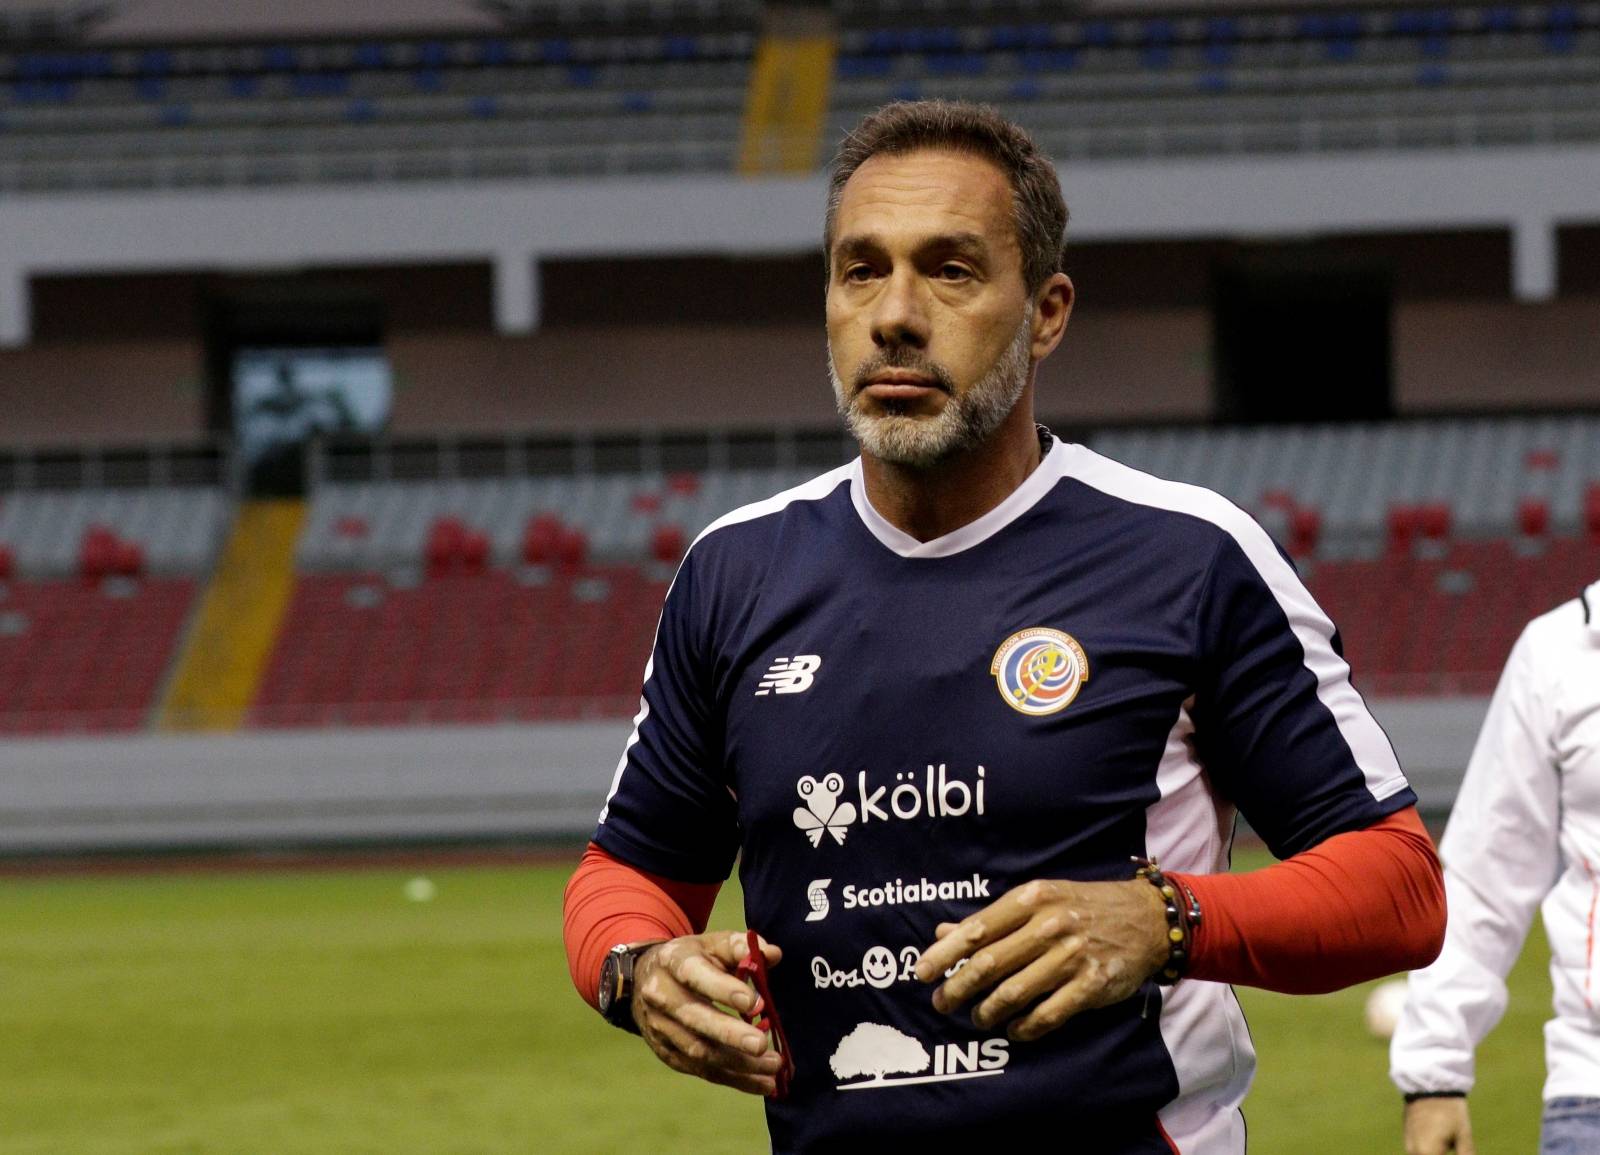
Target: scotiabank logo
937, 794
893, 892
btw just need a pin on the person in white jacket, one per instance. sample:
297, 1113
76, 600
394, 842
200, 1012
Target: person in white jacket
1525, 831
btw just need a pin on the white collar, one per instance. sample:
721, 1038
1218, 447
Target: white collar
1018, 502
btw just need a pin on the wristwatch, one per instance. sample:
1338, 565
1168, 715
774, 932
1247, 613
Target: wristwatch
616, 983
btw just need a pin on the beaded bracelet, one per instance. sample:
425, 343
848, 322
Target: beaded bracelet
1182, 918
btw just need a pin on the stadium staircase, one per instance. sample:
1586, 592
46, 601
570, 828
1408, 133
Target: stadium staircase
221, 663
787, 108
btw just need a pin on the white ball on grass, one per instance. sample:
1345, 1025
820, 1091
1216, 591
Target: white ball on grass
1384, 1005
421, 890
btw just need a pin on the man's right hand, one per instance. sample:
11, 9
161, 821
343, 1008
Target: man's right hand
1438, 1126
675, 986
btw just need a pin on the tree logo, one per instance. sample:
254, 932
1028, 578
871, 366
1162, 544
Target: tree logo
877, 1056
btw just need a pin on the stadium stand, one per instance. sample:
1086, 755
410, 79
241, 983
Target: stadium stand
1257, 81
601, 89
96, 586
534, 596
557, 97
452, 600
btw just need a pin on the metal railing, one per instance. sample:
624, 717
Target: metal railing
207, 462
460, 457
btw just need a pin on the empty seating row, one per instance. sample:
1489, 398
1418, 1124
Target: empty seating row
388, 525
160, 530
81, 657
495, 646
1482, 472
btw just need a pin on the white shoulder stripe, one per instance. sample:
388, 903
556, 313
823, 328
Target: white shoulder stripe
1369, 745
814, 490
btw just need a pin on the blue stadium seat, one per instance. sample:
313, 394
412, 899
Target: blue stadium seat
1099, 34
44, 91
428, 80
244, 86
582, 76
1053, 60
151, 88
280, 58
321, 84
1433, 76
1212, 82
1025, 88
494, 53
361, 111
485, 107
864, 67
680, 47
433, 54
174, 115
155, 62
1561, 26
555, 51
956, 63
1502, 19
373, 54
638, 102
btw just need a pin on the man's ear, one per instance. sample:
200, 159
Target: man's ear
1052, 305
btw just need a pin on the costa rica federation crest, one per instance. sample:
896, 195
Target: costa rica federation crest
1039, 671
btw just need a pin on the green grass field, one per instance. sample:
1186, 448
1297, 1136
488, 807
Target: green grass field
318, 1012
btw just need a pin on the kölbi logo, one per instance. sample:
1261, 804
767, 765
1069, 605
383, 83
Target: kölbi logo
936, 796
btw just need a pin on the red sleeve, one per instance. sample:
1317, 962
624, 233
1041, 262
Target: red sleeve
608, 902
1356, 906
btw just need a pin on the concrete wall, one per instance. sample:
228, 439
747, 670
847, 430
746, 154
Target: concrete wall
263, 788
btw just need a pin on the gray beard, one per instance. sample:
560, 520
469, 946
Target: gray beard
966, 421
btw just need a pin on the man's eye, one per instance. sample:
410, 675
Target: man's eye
857, 273
952, 272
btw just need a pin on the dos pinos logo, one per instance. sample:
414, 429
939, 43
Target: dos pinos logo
1039, 671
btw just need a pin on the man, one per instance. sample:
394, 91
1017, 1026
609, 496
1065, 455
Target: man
937, 701
1525, 831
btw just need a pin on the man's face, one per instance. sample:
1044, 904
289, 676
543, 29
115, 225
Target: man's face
929, 318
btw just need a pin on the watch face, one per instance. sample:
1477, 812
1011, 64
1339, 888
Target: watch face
608, 982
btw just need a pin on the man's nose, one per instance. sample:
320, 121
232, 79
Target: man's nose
901, 315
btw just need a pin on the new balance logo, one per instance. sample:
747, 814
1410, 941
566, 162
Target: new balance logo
790, 675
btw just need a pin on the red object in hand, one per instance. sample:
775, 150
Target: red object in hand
753, 970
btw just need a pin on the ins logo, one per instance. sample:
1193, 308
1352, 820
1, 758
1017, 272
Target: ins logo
881, 1056
1039, 671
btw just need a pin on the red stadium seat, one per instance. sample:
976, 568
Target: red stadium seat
684, 484
646, 503
571, 548
1404, 527
667, 543
1305, 530
539, 539
1434, 520
8, 563
1533, 516
1591, 512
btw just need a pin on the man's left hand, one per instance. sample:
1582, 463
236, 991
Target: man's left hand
1073, 945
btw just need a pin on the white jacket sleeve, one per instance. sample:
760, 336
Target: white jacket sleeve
1501, 857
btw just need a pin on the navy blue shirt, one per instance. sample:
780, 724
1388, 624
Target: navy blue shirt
888, 734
